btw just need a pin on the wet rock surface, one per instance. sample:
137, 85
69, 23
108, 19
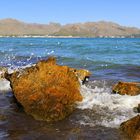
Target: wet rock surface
131, 128
2, 117
129, 88
47, 91
137, 109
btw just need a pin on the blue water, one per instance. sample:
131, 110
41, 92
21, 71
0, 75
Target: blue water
100, 113
106, 58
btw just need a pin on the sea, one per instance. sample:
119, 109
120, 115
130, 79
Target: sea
101, 112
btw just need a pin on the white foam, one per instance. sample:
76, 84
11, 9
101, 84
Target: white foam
113, 109
4, 85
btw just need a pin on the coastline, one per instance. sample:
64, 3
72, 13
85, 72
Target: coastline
48, 36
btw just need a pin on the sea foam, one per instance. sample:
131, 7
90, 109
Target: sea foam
111, 109
4, 85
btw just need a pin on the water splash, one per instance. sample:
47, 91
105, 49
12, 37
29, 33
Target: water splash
105, 108
4, 85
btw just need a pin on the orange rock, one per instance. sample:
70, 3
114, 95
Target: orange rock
131, 128
82, 74
137, 135
47, 91
129, 88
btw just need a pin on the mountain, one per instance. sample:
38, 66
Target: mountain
15, 27
96, 29
10, 27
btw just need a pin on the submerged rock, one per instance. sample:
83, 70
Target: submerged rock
129, 88
47, 91
131, 128
2, 117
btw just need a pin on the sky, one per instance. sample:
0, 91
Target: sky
124, 12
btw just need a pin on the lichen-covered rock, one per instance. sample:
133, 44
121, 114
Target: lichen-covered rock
129, 88
131, 128
46, 91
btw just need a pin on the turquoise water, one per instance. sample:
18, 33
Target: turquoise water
107, 58
100, 114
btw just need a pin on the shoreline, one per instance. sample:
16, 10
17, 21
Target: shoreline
47, 36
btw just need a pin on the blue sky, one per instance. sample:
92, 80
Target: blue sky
124, 12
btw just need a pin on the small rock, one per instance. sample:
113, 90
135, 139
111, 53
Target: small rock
137, 109
131, 128
129, 88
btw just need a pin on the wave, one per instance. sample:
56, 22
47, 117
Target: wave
104, 108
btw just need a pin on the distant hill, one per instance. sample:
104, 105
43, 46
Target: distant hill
15, 27
9, 27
